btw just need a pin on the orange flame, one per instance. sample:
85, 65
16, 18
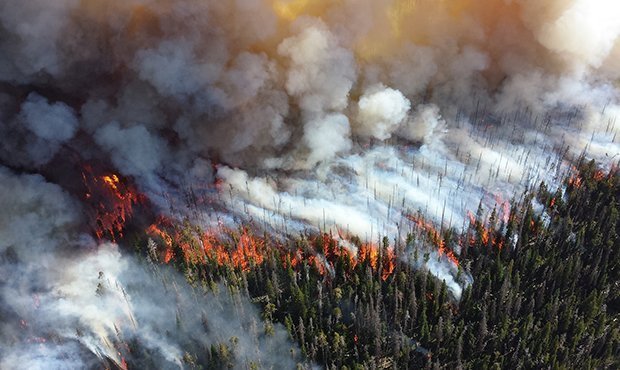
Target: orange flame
214, 249
575, 179
244, 250
370, 253
434, 236
112, 200
389, 263
504, 210
156, 230
485, 231
599, 175
385, 262
112, 181
249, 251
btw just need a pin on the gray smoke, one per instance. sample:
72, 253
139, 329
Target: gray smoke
64, 297
344, 115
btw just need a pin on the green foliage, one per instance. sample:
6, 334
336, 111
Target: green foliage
545, 293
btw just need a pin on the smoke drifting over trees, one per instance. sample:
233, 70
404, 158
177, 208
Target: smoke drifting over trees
63, 297
301, 115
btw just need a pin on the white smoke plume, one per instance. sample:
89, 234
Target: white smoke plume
381, 111
68, 303
321, 72
300, 115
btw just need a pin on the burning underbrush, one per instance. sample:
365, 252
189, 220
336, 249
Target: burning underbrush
273, 269
327, 254
285, 149
111, 201
243, 249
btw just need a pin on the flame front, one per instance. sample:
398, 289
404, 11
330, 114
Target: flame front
486, 231
435, 238
112, 202
243, 250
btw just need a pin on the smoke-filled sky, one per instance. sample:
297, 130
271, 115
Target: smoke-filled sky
346, 114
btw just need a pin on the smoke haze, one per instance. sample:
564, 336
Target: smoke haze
299, 115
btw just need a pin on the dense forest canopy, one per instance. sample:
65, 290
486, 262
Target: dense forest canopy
545, 290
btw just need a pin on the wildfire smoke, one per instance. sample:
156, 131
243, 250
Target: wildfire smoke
297, 117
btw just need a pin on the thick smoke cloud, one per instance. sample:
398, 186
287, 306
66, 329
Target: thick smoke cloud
184, 70
346, 115
133, 150
321, 72
381, 112
38, 215
334, 126
52, 122
70, 304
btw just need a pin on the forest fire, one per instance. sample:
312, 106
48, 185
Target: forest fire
434, 236
486, 232
243, 250
157, 230
245, 253
111, 200
176, 176
504, 208
575, 181
370, 253
248, 251
589, 174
